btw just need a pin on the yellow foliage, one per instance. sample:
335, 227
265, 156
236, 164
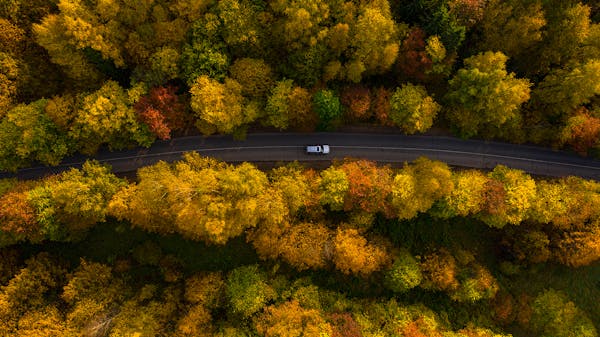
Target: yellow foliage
291, 320
354, 255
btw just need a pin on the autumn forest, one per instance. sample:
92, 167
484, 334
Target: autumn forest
200, 247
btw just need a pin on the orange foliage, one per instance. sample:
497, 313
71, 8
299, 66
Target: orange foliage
302, 115
494, 196
370, 186
381, 105
357, 100
439, 271
579, 247
582, 131
291, 320
344, 325
419, 328
162, 111
413, 61
353, 254
304, 246
17, 215
503, 307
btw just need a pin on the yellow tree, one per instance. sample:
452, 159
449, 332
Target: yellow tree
352, 253
292, 320
519, 194
220, 107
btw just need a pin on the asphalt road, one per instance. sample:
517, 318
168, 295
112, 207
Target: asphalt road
383, 148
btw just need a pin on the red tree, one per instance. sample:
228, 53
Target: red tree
413, 61
162, 111
582, 131
357, 100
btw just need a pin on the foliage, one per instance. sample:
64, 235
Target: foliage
247, 291
484, 96
162, 110
27, 134
220, 107
554, 315
328, 107
412, 109
405, 273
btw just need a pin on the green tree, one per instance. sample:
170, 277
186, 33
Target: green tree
328, 107
106, 116
247, 291
563, 90
334, 185
254, 75
554, 315
484, 96
27, 134
412, 109
404, 274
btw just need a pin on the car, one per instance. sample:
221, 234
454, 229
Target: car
317, 149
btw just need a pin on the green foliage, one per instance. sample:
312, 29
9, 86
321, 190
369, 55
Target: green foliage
106, 116
247, 291
328, 107
333, 186
405, 273
554, 315
412, 109
27, 134
484, 96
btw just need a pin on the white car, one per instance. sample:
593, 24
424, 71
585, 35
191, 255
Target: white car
317, 149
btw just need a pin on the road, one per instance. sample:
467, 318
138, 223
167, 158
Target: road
383, 148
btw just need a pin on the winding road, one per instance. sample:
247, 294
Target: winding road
383, 148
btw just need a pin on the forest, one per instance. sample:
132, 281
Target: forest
204, 248
79, 75
201, 247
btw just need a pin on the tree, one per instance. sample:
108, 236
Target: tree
519, 191
369, 186
290, 106
581, 132
566, 89
467, 197
512, 27
578, 246
200, 198
417, 187
357, 102
74, 201
554, 315
421, 58
162, 110
381, 105
292, 182
18, 217
27, 134
412, 109
354, 255
106, 116
247, 291
405, 273
483, 95
334, 185
374, 46
291, 320
220, 107
254, 75
328, 107
439, 271
306, 246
